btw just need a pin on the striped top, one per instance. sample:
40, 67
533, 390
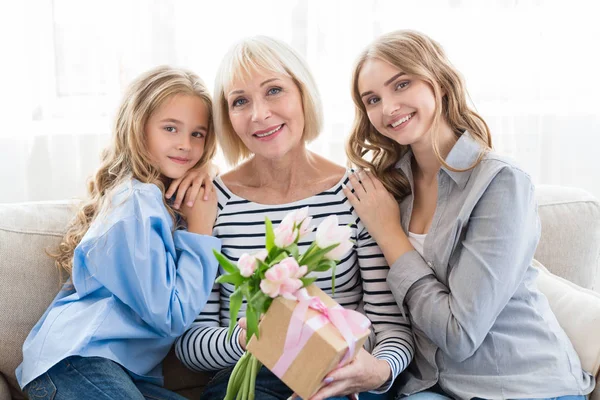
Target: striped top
360, 281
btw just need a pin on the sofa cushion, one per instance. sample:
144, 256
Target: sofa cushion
28, 279
578, 313
570, 243
183, 380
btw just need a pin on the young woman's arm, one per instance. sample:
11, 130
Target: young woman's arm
164, 277
497, 249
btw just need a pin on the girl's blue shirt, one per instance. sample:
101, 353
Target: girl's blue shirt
136, 286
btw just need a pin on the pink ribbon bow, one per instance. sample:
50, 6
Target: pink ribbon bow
349, 323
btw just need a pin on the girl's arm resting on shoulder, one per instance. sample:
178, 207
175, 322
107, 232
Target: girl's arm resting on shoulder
163, 277
204, 347
498, 246
393, 337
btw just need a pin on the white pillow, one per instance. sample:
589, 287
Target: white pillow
578, 313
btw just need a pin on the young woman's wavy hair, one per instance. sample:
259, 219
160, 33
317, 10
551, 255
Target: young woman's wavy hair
416, 54
128, 157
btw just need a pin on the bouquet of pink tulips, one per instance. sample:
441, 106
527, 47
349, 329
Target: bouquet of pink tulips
277, 270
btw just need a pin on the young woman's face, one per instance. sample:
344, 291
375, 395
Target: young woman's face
175, 133
266, 113
399, 105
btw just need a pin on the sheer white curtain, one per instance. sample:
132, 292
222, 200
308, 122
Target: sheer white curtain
532, 69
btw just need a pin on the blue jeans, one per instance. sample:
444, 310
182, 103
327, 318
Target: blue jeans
432, 395
268, 387
572, 397
93, 378
428, 395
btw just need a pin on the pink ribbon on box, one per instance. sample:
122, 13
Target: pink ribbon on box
349, 323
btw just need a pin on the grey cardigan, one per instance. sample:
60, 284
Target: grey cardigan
481, 326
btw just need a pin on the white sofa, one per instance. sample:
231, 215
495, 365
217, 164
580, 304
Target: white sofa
569, 247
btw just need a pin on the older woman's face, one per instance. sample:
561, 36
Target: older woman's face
266, 112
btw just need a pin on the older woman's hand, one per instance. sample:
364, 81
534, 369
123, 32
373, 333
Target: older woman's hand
242, 338
364, 373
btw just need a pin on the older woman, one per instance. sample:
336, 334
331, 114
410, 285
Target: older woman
267, 109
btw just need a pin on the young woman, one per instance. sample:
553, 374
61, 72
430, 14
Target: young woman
458, 224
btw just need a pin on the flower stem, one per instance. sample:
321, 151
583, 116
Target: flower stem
246, 384
254, 367
238, 373
307, 253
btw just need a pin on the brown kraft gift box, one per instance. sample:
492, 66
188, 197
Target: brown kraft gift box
321, 354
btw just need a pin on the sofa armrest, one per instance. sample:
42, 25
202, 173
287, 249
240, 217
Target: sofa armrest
570, 243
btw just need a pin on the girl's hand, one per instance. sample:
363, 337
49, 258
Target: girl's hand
202, 215
195, 184
376, 207
364, 373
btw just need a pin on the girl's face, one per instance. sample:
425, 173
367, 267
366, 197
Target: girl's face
266, 113
175, 133
399, 106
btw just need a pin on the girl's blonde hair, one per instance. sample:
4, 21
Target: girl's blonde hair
128, 157
416, 54
262, 53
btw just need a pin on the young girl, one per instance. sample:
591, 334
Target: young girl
458, 224
136, 282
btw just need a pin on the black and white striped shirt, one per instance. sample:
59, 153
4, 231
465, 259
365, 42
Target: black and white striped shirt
360, 280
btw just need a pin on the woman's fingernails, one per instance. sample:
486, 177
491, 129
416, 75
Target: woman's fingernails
176, 206
189, 204
343, 186
328, 380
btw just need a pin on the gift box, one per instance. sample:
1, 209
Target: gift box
302, 346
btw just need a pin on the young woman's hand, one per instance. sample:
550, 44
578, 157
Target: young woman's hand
364, 373
376, 207
380, 213
195, 184
202, 215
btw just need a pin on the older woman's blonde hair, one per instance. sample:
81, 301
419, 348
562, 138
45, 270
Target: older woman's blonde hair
262, 53
416, 54
128, 156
